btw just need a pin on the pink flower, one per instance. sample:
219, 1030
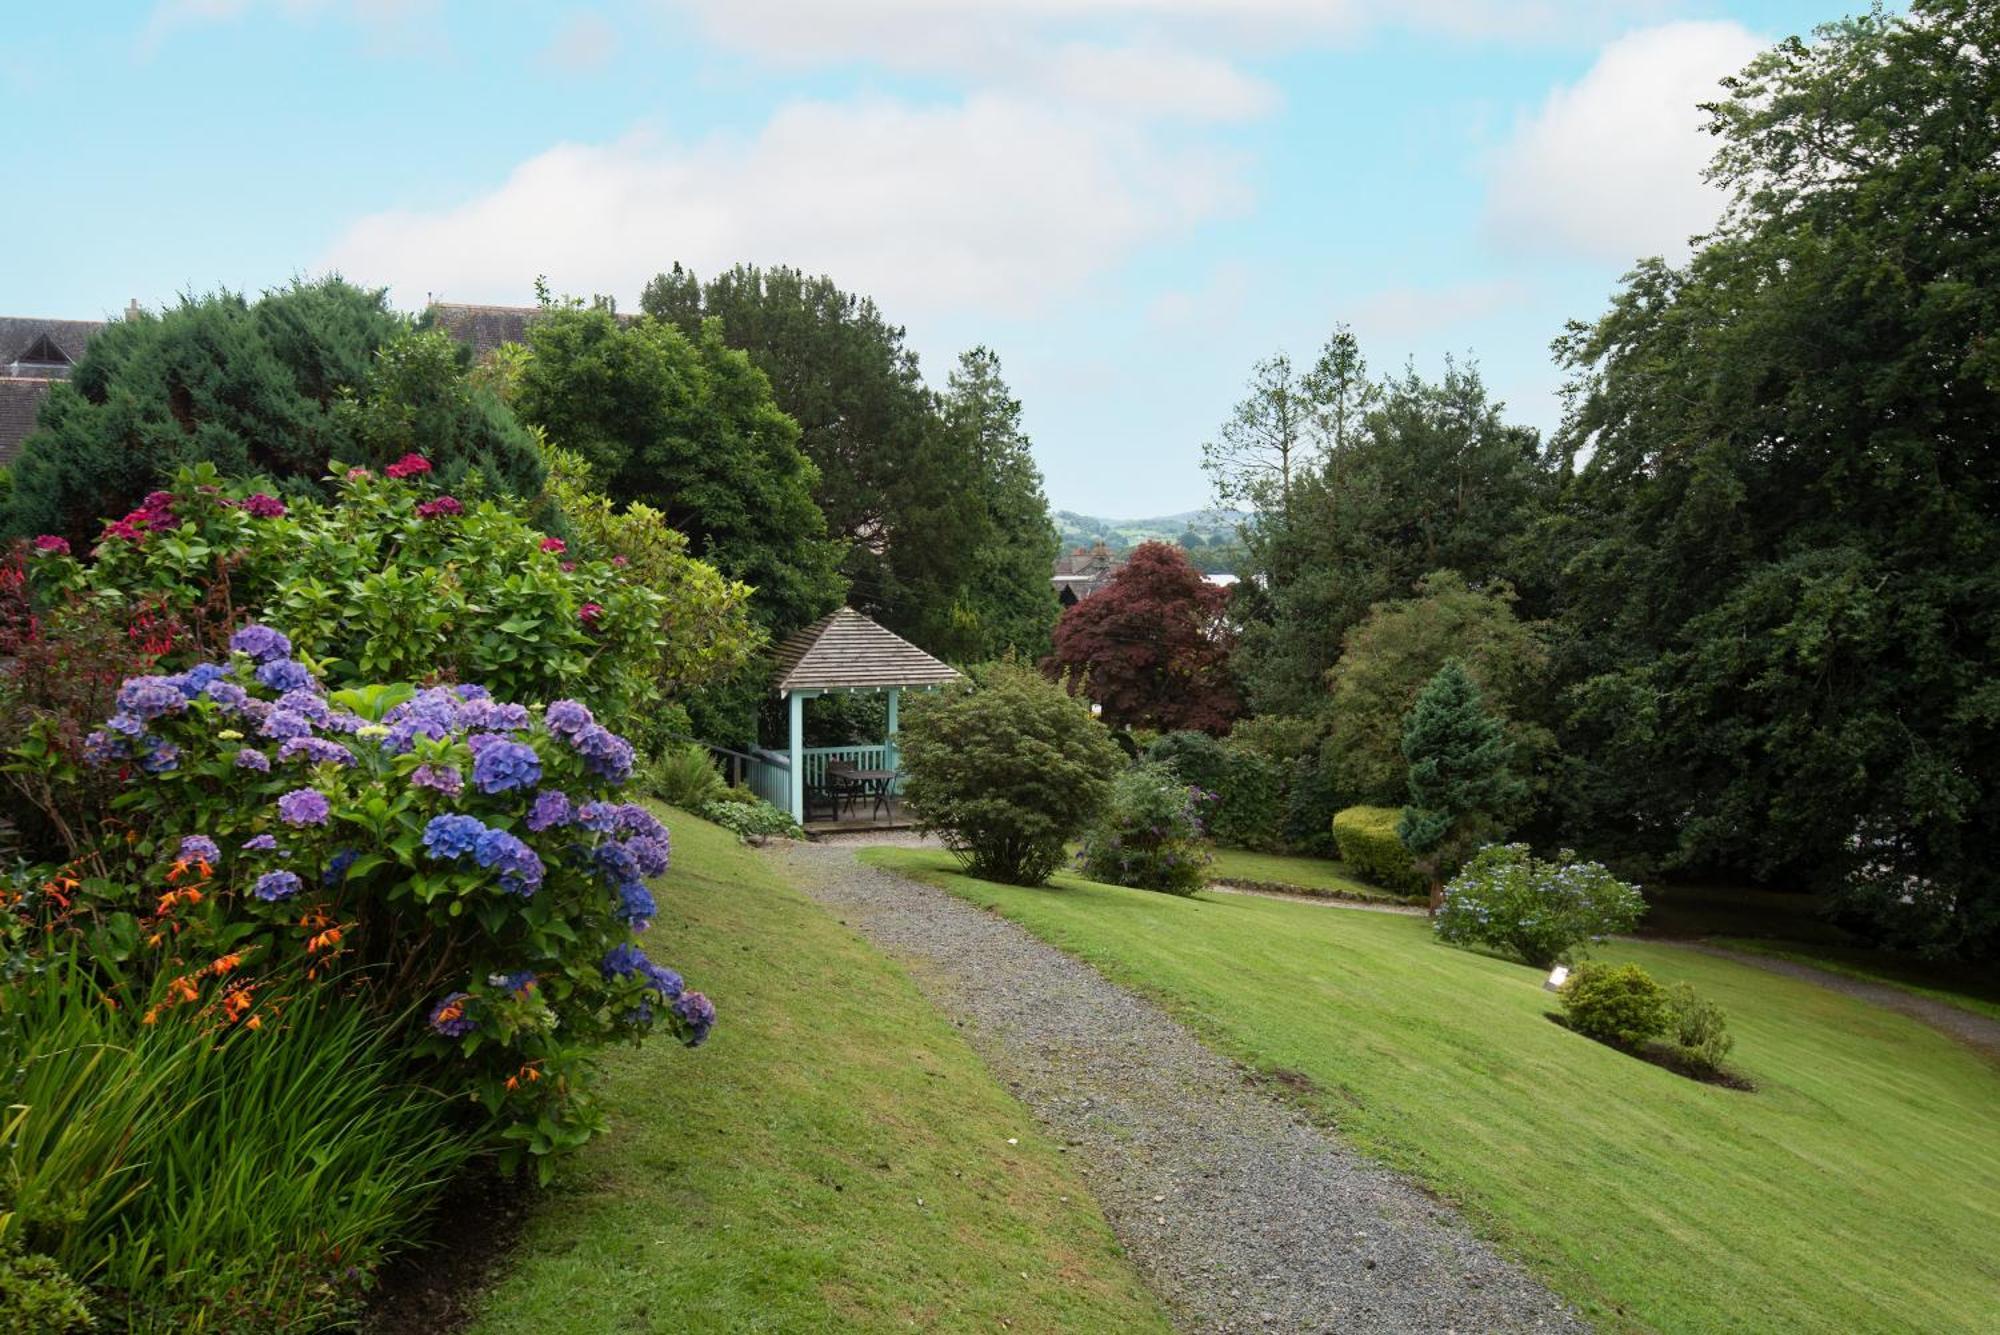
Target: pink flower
589, 613
554, 545
258, 505
49, 542
410, 465
443, 505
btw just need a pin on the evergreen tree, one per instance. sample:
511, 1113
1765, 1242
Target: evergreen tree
1460, 778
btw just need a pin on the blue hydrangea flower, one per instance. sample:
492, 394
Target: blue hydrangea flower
273, 886
199, 848
261, 642
500, 765
552, 807
698, 1013
316, 750
303, 806
284, 674
452, 1017
147, 698
452, 836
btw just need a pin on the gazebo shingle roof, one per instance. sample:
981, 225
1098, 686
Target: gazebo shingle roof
845, 650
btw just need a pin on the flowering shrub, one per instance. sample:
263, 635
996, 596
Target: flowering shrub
1540, 910
1151, 834
433, 850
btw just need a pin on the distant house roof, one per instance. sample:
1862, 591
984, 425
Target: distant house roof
20, 398
846, 651
39, 348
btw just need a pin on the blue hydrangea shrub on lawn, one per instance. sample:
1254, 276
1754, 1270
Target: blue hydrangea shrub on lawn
462, 864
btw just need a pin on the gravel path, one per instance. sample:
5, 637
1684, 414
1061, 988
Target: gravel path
1243, 1216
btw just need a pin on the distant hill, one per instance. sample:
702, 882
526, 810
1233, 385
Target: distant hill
1212, 527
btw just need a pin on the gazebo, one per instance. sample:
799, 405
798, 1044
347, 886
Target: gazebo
841, 653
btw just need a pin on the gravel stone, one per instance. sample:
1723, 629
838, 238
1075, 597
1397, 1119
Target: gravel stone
1241, 1214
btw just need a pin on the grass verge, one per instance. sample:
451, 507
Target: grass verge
1856, 1189
835, 1158
1297, 875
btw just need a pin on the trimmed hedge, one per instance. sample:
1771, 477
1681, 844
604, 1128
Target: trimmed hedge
1371, 850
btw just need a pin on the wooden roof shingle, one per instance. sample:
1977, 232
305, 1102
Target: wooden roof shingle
846, 651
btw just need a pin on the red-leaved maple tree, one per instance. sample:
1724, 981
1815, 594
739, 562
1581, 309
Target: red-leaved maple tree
1152, 647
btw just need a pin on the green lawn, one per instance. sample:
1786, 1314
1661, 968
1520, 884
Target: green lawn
835, 1157
1961, 986
1858, 1189
1286, 871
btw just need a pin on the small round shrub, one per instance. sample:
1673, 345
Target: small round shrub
1372, 850
1151, 834
1617, 1004
1007, 772
1541, 910
1697, 1028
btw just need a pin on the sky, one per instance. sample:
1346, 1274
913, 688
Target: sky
1130, 201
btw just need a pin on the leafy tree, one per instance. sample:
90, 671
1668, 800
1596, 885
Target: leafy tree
1006, 598
1782, 544
688, 427
940, 500
1459, 776
1008, 772
1431, 478
252, 387
1152, 647
1388, 659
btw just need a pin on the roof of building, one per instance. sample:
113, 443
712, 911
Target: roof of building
20, 335
844, 650
20, 398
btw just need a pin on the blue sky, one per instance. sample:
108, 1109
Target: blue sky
1129, 200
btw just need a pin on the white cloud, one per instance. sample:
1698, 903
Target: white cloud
997, 204
585, 42
1611, 166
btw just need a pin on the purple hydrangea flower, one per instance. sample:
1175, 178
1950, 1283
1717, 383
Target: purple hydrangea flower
452, 1016
604, 753
285, 725
501, 765
273, 886
698, 1013
199, 848
519, 867
284, 674
452, 836
261, 843
443, 778
262, 643
303, 806
316, 750
568, 718
552, 807
251, 758
147, 698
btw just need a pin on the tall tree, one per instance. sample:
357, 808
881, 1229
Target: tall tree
268, 387
689, 427
1006, 607
1783, 537
1460, 782
1152, 646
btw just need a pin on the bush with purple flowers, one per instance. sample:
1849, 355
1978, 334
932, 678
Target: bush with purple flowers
442, 853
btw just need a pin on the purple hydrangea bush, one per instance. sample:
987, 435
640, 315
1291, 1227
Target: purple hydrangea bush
445, 855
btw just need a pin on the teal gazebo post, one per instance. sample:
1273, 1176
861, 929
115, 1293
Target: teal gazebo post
846, 652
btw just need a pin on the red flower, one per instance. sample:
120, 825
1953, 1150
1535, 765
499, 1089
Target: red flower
554, 545
443, 505
49, 542
589, 613
410, 465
